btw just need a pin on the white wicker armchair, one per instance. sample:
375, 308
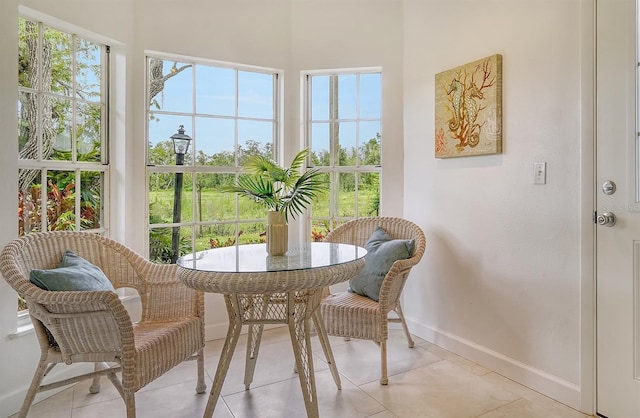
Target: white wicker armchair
350, 315
93, 326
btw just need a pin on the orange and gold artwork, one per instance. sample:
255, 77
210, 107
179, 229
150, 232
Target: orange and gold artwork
468, 109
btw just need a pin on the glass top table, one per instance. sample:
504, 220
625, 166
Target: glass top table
260, 289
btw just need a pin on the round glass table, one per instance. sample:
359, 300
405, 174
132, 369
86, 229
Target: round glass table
260, 289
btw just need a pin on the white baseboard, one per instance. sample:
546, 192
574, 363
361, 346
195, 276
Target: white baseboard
549, 385
10, 403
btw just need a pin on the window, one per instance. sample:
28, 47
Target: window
62, 130
230, 112
343, 130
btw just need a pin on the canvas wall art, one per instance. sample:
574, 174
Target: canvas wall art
468, 109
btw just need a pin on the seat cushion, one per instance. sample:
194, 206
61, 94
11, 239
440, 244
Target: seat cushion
382, 252
73, 273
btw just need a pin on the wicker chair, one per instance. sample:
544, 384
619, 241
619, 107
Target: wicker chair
93, 326
353, 316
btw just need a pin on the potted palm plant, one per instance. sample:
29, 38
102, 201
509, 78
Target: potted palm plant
284, 192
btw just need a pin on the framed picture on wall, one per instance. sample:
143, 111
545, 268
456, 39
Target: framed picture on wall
468, 109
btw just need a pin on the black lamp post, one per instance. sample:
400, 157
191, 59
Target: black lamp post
180, 147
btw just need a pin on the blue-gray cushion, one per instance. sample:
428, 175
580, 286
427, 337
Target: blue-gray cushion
72, 273
382, 252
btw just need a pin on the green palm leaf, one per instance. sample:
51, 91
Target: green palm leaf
279, 189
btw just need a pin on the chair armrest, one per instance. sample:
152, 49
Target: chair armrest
105, 322
393, 283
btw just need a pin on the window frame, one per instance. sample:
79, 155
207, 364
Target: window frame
193, 169
78, 167
23, 320
334, 169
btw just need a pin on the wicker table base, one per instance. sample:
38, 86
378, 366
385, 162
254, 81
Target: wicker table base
295, 309
283, 290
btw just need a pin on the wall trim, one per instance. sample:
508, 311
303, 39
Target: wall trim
550, 385
12, 402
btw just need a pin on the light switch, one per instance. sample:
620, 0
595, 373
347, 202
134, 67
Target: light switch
540, 173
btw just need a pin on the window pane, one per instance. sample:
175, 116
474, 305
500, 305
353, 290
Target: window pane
29, 202
91, 199
214, 136
57, 147
320, 148
161, 243
88, 70
175, 94
320, 207
61, 201
161, 127
59, 78
252, 232
347, 143
88, 130
215, 91
319, 229
27, 126
255, 95
250, 210
320, 97
27, 53
368, 194
168, 203
347, 97
160, 198
370, 96
369, 143
346, 189
211, 204
254, 136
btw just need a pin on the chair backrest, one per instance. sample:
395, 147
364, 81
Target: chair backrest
358, 232
85, 325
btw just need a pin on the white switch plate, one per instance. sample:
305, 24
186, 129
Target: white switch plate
540, 173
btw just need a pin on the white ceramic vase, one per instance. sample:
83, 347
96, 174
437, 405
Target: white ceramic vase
277, 233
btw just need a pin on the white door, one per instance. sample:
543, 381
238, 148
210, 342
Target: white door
617, 246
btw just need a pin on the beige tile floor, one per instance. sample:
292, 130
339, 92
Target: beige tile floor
424, 381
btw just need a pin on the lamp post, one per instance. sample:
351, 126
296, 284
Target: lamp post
180, 147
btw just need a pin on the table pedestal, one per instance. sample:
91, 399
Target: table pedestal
294, 308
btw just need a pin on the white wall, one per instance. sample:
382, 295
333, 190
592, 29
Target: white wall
500, 280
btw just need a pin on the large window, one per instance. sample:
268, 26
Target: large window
343, 130
230, 112
62, 130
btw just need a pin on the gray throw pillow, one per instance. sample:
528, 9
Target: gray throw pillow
382, 252
72, 273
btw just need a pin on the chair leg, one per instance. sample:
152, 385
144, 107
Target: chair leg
398, 310
201, 386
95, 384
383, 363
35, 385
130, 402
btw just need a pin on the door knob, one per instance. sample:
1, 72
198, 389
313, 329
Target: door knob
606, 219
